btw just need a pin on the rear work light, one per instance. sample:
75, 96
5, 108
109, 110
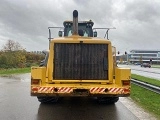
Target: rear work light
126, 82
35, 81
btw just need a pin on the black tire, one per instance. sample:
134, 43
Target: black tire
47, 99
107, 100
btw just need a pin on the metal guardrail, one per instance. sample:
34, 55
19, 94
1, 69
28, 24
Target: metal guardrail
148, 86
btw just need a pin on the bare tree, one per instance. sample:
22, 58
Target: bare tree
12, 46
13, 55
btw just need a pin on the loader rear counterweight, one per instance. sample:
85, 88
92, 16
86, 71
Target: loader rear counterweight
79, 63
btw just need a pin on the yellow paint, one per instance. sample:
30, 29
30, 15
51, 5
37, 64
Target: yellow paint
122, 74
38, 73
46, 73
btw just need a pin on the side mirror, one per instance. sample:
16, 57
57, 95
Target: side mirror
60, 33
95, 34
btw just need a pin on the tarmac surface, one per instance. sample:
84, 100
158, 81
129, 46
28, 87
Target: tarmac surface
147, 72
17, 104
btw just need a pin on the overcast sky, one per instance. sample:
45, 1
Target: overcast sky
137, 22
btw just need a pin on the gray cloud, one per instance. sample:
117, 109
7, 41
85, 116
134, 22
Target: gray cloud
136, 21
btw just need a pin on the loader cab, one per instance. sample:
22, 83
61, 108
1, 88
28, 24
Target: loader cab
84, 28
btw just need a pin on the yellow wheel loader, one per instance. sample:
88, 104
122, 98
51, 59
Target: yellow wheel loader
81, 64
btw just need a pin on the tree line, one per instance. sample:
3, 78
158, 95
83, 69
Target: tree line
13, 55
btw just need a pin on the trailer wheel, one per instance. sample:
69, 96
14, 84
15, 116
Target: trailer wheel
107, 100
47, 99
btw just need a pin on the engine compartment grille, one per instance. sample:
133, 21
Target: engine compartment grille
80, 61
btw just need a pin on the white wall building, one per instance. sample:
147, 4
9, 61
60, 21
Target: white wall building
144, 56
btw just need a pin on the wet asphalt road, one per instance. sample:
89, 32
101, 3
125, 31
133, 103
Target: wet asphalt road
147, 72
17, 104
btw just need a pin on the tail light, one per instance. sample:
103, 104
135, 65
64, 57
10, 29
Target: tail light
34, 89
126, 82
35, 81
126, 90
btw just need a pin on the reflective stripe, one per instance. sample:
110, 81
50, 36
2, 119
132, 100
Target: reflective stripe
110, 90
70, 89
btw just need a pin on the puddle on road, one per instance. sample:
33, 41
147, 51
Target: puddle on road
15, 78
10, 77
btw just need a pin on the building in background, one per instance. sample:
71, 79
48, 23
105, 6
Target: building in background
141, 56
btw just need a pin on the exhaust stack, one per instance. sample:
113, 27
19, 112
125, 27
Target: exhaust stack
75, 22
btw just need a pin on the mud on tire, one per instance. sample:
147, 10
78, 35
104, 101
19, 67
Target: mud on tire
107, 100
47, 99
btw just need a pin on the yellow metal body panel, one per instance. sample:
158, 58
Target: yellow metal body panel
77, 39
38, 73
50, 87
122, 74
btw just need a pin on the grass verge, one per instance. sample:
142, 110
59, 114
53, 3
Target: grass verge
146, 79
14, 71
155, 66
147, 99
